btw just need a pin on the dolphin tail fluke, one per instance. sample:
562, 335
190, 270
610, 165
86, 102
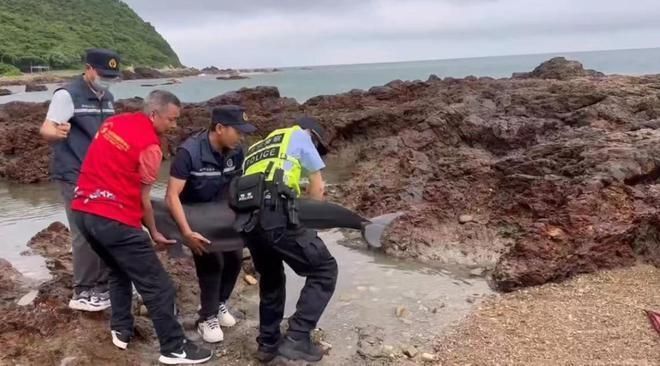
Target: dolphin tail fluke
372, 230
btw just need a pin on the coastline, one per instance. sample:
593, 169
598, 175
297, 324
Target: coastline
545, 183
144, 73
509, 144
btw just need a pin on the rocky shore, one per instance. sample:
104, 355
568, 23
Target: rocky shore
212, 70
42, 330
144, 73
33, 79
137, 73
533, 179
37, 327
528, 181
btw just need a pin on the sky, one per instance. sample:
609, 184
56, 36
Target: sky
275, 33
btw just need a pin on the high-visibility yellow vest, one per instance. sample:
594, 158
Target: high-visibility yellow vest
272, 150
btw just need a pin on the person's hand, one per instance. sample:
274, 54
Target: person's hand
196, 242
62, 130
161, 241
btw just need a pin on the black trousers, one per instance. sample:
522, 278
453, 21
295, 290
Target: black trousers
129, 254
217, 273
308, 256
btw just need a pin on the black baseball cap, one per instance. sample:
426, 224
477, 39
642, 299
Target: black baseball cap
309, 123
233, 116
104, 61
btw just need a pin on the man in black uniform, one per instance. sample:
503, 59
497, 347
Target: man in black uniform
202, 169
74, 115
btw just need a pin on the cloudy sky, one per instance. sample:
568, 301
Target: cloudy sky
261, 33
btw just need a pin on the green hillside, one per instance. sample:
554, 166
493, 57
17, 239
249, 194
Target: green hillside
56, 33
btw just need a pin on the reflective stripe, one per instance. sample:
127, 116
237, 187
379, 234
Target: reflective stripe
261, 155
93, 110
272, 140
87, 110
206, 174
271, 153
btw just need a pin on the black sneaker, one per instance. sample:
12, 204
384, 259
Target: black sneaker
300, 349
119, 340
190, 353
267, 352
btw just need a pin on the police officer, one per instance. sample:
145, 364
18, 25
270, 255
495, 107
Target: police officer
264, 198
75, 113
201, 171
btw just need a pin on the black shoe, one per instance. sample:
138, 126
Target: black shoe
267, 352
120, 340
190, 353
300, 349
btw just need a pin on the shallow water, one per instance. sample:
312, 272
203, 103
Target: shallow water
371, 286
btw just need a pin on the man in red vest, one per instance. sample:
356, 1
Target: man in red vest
112, 201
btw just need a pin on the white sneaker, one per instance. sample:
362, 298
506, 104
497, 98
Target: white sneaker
86, 302
101, 298
210, 330
119, 340
225, 318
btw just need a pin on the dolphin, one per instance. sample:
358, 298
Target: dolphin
214, 220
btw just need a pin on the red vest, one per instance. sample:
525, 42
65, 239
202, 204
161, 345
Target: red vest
110, 184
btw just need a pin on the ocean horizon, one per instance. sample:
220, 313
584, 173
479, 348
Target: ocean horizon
304, 82
550, 54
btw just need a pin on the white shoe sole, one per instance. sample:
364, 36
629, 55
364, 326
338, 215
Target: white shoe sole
179, 361
76, 305
118, 342
222, 324
227, 324
210, 340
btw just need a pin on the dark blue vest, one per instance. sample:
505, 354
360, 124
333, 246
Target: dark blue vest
88, 115
211, 171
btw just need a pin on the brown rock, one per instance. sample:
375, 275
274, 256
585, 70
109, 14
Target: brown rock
464, 219
232, 77
427, 357
210, 70
417, 140
410, 351
370, 341
4, 92
147, 73
559, 68
54, 241
250, 280
10, 280
128, 75
380, 92
325, 347
401, 312
143, 311
555, 232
